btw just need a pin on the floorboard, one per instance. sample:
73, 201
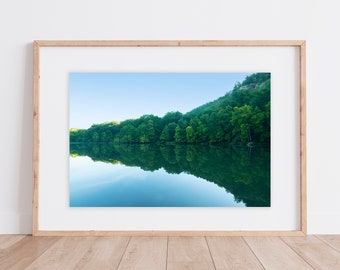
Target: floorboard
273, 253
232, 253
331, 240
315, 252
64, 254
189, 253
19, 252
145, 253
24, 252
104, 253
6, 241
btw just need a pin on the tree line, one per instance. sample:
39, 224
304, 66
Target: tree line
240, 116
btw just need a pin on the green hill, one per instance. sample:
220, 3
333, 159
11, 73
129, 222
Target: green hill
241, 116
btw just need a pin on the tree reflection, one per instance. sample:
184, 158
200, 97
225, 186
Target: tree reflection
242, 171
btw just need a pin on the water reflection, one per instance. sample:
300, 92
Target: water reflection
242, 172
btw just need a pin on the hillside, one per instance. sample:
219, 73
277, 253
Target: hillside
240, 116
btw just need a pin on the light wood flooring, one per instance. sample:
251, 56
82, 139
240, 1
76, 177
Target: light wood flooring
172, 253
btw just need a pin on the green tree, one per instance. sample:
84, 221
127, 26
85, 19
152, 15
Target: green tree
95, 136
241, 120
190, 134
128, 134
180, 135
147, 132
168, 133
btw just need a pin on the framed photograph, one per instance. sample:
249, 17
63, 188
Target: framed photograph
169, 138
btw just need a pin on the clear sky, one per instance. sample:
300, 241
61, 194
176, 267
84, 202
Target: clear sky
101, 97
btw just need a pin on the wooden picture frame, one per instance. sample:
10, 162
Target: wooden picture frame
299, 44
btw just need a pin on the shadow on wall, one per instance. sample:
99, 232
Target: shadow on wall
24, 194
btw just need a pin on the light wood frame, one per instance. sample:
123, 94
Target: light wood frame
301, 44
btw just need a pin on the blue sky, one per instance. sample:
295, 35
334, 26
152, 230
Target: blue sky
101, 97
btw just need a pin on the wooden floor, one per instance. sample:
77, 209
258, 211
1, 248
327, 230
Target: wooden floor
173, 253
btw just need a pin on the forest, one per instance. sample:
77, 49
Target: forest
241, 116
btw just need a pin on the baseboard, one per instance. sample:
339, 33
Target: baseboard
15, 223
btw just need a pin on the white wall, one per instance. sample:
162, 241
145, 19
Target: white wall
318, 22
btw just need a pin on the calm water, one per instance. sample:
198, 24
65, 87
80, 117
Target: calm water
103, 175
